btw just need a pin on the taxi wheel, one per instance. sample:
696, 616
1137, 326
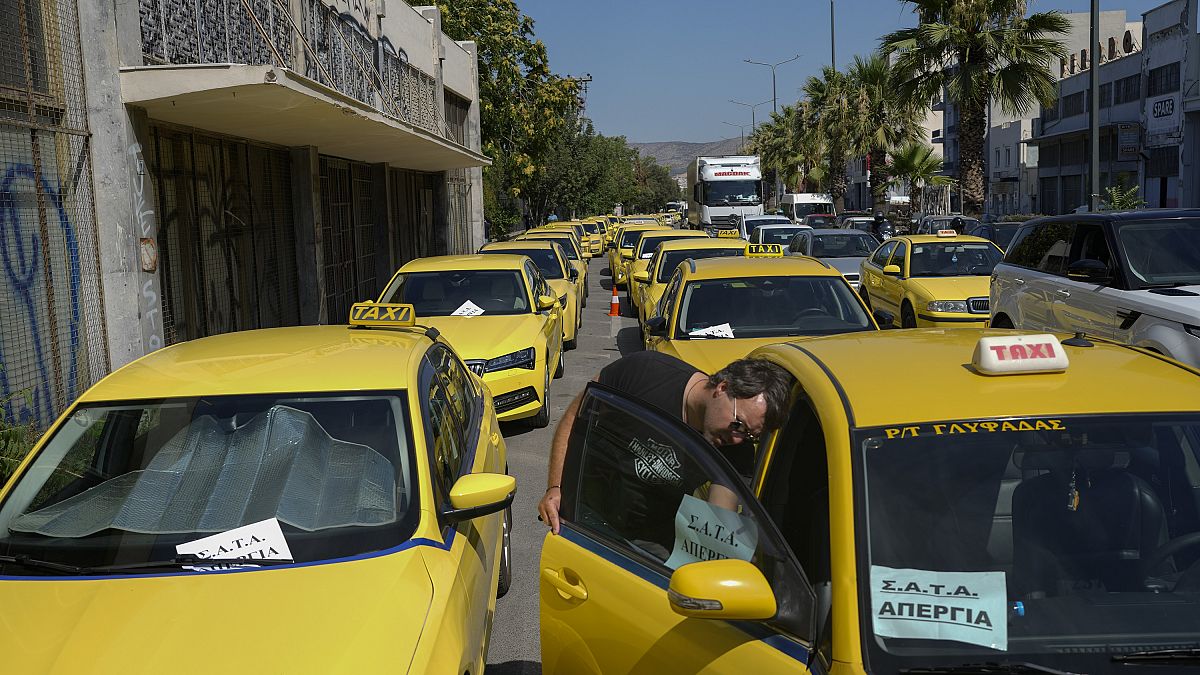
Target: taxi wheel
542, 419
908, 318
570, 344
504, 581
560, 369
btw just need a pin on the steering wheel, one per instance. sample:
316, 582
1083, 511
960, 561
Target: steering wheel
809, 311
1158, 555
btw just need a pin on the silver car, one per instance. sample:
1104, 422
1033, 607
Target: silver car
841, 249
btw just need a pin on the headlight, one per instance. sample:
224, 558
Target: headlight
959, 306
521, 359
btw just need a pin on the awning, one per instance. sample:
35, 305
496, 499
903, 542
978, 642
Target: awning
276, 105
1074, 133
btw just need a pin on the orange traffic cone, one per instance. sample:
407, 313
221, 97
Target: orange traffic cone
615, 308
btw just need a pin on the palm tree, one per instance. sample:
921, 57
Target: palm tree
916, 166
977, 51
884, 121
830, 113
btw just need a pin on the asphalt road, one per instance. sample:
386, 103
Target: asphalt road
515, 648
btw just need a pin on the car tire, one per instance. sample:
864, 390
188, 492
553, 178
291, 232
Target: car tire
504, 578
542, 419
570, 344
561, 368
908, 318
1001, 321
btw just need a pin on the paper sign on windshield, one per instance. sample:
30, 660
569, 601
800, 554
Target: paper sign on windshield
969, 607
468, 308
707, 532
257, 541
722, 331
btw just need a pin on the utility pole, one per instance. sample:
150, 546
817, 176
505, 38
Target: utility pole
773, 66
1094, 121
832, 39
741, 128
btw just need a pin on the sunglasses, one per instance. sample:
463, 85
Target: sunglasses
737, 426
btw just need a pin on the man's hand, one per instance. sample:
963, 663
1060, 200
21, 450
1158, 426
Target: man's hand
548, 508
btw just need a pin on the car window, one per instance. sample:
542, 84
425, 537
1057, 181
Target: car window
443, 433
666, 304
1043, 247
652, 489
461, 392
799, 244
881, 254
769, 306
899, 255
1090, 244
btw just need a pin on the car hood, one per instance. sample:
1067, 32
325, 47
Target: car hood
1178, 307
486, 337
361, 616
951, 288
845, 265
714, 354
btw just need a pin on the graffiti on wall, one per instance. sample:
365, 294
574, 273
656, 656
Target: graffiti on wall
38, 287
143, 213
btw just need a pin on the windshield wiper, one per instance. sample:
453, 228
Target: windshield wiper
985, 669
190, 560
34, 563
1160, 657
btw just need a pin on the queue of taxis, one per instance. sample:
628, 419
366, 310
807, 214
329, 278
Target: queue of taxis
620, 256
1023, 520
653, 280
718, 310
502, 318
595, 229
552, 262
643, 253
570, 246
306, 499
931, 280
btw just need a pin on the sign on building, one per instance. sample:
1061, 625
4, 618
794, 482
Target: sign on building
1162, 114
1129, 141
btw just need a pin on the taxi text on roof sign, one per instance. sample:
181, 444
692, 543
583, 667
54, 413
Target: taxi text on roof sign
764, 251
382, 314
1012, 354
947, 233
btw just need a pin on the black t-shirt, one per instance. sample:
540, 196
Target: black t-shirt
659, 380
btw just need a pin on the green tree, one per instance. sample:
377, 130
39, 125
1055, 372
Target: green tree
884, 121
829, 112
978, 52
915, 166
1123, 199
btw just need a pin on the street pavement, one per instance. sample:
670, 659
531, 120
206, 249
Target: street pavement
515, 647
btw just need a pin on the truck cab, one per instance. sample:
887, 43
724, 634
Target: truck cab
722, 190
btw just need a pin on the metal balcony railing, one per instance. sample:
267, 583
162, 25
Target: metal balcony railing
320, 44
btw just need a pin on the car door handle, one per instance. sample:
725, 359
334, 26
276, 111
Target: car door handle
1065, 294
558, 580
1018, 280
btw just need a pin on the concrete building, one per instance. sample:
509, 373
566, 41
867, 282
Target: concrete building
1012, 168
179, 169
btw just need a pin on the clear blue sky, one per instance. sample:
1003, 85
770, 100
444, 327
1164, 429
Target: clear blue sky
664, 69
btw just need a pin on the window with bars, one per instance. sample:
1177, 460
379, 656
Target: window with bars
1048, 189
1164, 162
457, 109
1050, 112
1106, 90
1073, 104
1162, 80
1048, 156
1127, 89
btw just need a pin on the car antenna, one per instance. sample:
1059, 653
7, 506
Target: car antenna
1078, 341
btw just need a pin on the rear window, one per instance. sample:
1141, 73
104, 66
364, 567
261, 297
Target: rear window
544, 258
671, 259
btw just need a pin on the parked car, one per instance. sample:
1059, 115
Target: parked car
932, 225
1000, 234
748, 224
819, 220
776, 233
1132, 277
842, 250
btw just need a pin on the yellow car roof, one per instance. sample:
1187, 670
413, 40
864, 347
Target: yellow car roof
734, 267
520, 244
705, 242
268, 361
933, 238
465, 262
936, 361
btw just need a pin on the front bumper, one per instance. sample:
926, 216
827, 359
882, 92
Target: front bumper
516, 393
928, 319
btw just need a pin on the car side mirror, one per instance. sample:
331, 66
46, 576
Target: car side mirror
892, 270
1092, 271
478, 494
545, 302
733, 590
642, 277
884, 318
656, 325
574, 274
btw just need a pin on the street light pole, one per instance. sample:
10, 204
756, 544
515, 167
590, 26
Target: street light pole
741, 128
752, 107
832, 39
1094, 121
773, 66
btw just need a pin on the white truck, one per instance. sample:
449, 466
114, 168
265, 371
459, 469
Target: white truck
722, 190
796, 205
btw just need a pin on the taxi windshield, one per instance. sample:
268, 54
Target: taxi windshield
650, 242
460, 292
775, 235
847, 245
630, 238
591, 228
755, 307
953, 259
671, 259
126, 483
544, 258
1046, 540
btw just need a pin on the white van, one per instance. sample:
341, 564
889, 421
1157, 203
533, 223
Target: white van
796, 205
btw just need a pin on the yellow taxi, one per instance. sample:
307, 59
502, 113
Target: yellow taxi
930, 280
294, 500
570, 246
501, 316
621, 254
582, 238
1023, 520
653, 280
595, 228
644, 252
552, 262
717, 310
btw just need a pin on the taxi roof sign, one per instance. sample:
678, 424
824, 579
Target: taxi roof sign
382, 314
764, 250
1016, 354
947, 233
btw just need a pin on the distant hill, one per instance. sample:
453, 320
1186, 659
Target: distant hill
677, 155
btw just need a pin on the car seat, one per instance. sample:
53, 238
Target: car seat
1100, 543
